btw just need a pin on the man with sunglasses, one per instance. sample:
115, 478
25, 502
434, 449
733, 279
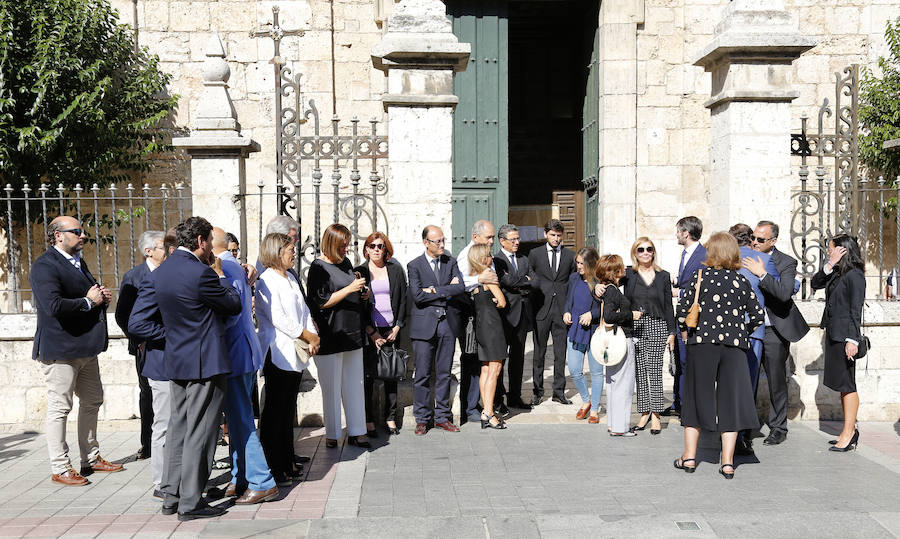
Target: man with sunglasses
71, 332
784, 323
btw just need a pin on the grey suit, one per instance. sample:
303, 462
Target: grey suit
787, 326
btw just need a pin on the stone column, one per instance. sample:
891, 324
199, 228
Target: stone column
419, 54
751, 59
217, 149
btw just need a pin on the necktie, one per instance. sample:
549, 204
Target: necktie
512, 260
75, 262
553, 262
681, 264
437, 274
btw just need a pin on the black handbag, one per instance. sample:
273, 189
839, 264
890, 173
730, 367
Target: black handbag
391, 363
863, 348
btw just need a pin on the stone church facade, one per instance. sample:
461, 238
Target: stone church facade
653, 133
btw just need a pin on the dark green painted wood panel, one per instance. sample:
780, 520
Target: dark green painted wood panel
590, 138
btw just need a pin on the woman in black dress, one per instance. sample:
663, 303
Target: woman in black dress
338, 307
492, 349
718, 395
844, 282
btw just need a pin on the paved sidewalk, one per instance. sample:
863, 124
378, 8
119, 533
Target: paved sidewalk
531, 480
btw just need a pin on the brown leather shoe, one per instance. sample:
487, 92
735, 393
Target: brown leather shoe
102, 465
257, 496
447, 426
421, 429
70, 478
594, 419
582, 412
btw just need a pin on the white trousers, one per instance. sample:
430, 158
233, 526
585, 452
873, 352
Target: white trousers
341, 379
619, 391
160, 391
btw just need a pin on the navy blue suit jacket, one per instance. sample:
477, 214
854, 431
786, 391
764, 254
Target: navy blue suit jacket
192, 301
145, 326
426, 307
67, 328
128, 291
691, 265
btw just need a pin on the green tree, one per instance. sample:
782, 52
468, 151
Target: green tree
879, 110
78, 104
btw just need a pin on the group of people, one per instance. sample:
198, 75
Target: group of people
188, 311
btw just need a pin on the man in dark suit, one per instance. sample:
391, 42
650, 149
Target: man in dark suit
434, 325
150, 245
516, 278
552, 264
71, 332
688, 231
784, 323
193, 298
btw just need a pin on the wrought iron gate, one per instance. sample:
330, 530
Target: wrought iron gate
356, 203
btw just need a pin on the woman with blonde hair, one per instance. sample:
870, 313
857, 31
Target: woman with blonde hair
649, 290
339, 308
717, 388
283, 316
489, 336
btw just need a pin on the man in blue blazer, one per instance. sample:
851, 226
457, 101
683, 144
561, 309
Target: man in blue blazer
688, 231
150, 245
71, 332
193, 298
434, 325
251, 478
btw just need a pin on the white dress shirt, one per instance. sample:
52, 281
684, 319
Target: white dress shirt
282, 315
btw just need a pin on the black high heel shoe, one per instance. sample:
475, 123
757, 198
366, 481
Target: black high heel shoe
849, 447
642, 427
680, 464
725, 474
486, 423
355, 440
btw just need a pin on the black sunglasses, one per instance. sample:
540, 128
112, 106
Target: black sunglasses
641, 250
757, 239
379, 246
76, 231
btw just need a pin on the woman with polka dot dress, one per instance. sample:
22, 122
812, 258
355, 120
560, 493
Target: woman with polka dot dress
718, 395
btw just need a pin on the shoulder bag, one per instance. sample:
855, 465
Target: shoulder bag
608, 343
692, 320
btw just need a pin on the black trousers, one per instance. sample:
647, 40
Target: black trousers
515, 364
552, 325
276, 423
370, 360
775, 353
718, 395
145, 402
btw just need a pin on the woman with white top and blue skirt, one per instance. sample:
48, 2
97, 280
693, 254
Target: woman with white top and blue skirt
283, 316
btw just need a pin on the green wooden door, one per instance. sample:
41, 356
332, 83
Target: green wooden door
590, 140
480, 124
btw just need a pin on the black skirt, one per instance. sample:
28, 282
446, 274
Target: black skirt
488, 328
840, 373
718, 395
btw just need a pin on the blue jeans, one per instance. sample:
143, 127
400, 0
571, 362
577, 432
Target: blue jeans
575, 353
248, 463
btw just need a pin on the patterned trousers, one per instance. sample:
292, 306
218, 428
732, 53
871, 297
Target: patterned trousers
649, 344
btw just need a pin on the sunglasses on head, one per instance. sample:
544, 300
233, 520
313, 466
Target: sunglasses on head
642, 250
757, 239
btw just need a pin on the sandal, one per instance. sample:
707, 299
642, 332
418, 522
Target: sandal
680, 464
725, 474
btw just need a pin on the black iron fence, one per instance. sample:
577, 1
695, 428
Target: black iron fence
113, 219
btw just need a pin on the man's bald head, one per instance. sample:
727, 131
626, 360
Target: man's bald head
66, 232
219, 240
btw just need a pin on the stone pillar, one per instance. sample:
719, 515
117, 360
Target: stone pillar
419, 54
751, 59
217, 149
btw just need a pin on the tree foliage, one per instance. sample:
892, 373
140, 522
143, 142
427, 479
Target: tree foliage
77, 103
879, 111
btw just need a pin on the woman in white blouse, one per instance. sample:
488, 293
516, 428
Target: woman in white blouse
283, 316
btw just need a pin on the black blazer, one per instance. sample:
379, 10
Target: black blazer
427, 309
783, 313
516, 286
398, 289
193, 300
128, 292
551, 288
616, 310
67, 328
663, 284
844, 298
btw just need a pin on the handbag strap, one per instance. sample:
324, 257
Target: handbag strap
697, 290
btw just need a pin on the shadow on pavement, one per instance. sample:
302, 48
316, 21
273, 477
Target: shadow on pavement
9, 445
